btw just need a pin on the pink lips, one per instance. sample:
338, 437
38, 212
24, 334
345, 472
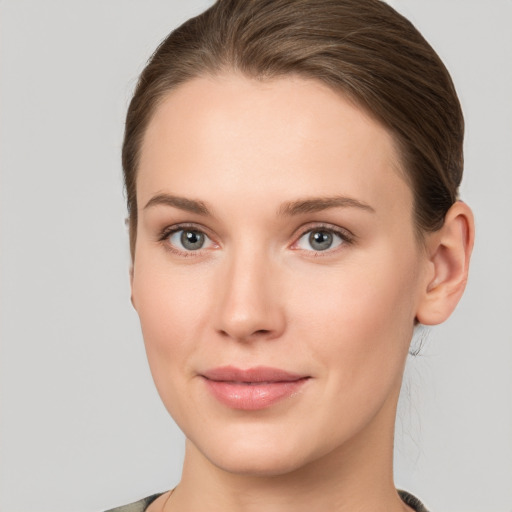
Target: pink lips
254, 388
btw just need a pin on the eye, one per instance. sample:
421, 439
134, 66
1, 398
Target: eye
188, 240
320, 239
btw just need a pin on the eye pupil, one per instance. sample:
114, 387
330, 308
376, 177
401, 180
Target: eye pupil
192, 240
320, 240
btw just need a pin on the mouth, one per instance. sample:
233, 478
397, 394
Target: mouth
254, 388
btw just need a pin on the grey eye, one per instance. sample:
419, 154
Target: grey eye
319, 240
188, 240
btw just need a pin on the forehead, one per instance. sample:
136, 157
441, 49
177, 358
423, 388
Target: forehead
230, 136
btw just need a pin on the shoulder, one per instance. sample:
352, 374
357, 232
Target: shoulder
138, 506
412, 501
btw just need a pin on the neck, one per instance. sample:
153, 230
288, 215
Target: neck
356, 477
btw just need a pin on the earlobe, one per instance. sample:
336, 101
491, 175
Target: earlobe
449, 251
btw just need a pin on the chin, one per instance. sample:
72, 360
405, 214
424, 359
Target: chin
261, 452
257, 462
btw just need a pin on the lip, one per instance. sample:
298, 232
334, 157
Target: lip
253, 388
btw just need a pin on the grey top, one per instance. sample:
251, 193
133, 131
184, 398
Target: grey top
138, 506
142, 505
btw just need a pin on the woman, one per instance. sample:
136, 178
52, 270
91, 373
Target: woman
292, 171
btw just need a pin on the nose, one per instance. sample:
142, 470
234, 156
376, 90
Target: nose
250, 306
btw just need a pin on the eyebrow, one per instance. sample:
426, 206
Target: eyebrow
300, 206
318, 204
188, 205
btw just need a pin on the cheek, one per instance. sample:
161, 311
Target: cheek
162, 310
357, 327
171, 304
360, 318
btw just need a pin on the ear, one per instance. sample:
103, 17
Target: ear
449, 250
131, 286
132, 255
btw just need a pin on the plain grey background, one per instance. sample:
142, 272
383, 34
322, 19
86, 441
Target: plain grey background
82, 427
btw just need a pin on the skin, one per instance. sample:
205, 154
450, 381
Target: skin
258, 294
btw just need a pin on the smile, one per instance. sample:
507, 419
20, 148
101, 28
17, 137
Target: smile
254, 388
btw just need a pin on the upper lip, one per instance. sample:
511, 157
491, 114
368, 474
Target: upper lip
255, 374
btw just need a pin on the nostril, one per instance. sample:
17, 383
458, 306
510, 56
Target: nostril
261, 332
256, 334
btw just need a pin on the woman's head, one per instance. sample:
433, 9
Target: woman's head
280, 163
362, 49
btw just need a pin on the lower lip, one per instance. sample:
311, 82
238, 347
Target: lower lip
253, 396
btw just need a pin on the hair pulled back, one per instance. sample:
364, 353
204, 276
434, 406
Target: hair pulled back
361, 48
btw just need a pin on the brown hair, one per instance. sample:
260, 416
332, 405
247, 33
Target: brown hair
361, 48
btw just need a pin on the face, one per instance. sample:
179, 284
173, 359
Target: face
276, 272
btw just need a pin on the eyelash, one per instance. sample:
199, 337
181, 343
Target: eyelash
167, 232
347, 238
345, 235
